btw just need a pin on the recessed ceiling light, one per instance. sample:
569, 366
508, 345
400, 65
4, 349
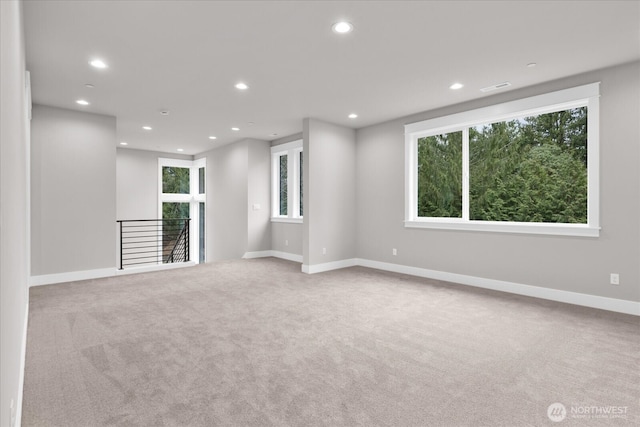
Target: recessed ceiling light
353, 116
164, 112
98, 63
146, 127
89, 86
180, 149
213, 137
124, 143
236, 129
342, 27
456, 86
241, 86
82, 102
274, 134
531, 64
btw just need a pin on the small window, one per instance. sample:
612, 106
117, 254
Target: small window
175, 180
201, 233
301, 189
201, 175
283, 187
286, 184
526, 166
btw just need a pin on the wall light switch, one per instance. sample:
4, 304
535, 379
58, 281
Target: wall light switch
395, 251
256, 206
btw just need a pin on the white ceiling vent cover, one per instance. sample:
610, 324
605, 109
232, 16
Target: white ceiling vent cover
495, 87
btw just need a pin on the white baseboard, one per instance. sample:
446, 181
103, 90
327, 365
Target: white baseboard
328, 266
594, 301
154, 267
23, 363
256, 254
72, 276
277, 254
586, 300
287, 256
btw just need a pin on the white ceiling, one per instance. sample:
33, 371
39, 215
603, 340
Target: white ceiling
186, 57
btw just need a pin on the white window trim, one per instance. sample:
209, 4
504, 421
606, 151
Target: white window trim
587, 95
194, 198
292, 150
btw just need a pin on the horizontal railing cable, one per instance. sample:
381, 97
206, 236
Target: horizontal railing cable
153, 241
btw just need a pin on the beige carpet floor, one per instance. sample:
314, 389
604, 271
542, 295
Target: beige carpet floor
257, 343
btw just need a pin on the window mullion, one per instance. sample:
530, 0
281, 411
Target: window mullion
411, 178
414, 178
465, 174
275, 179
193, 210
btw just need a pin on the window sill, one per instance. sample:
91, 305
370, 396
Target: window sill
576, 230
286, 219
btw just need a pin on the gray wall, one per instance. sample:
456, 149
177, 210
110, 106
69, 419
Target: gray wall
258, 192
330, 192
73, 191
137, 182
567, 263
283, 233
226, 202
288, 138
237, 177
14, 205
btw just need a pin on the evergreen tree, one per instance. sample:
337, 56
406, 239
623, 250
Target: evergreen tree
440, 175
527, 170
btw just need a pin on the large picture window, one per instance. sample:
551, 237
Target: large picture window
526, 166
286, 182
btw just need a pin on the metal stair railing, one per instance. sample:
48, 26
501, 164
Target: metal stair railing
153, 241
180, 251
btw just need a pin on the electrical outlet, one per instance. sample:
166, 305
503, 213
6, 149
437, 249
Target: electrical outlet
395, 251
286, 243
324, 251
614, 278
256, 206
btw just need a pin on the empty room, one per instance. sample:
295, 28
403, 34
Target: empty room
320, 213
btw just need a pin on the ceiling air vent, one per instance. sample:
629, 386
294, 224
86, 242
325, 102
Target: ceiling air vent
495, 87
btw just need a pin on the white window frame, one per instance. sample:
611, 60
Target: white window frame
194, 198
587, 95
292, 150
